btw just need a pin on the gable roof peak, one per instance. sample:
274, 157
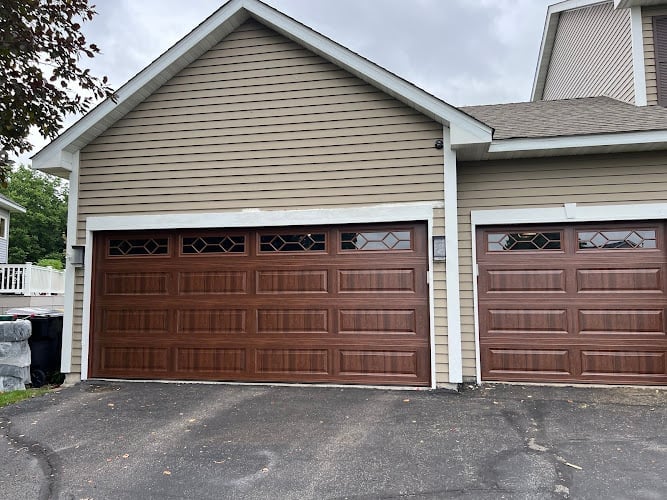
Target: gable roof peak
58, 157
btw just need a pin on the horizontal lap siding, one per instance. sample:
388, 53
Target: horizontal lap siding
260, 122
537, 183
649, 51
592, 55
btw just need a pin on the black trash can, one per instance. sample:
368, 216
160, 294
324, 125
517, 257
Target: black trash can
45, 342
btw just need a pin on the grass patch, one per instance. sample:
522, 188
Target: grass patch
11, 397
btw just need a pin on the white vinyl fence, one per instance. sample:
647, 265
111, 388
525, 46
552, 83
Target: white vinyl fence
29, 279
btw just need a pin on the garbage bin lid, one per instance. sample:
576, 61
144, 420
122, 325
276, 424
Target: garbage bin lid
33, 311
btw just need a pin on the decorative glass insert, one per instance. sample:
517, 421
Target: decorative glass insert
214, 244
617, 240
500, 242
376, 240
143, 246
292, 242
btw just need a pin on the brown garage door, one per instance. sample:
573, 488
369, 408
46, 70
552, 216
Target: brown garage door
583, 303
311, 304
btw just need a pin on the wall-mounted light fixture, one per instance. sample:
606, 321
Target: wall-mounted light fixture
439, 250
77, 256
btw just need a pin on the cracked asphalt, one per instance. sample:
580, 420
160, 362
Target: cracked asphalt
148, 440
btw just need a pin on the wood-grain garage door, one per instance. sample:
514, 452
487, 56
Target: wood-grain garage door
346, 304
575, 303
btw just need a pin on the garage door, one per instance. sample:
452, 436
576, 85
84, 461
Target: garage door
342, 304
576, 303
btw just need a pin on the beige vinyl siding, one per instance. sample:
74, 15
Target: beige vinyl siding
260, 122
649, 53
592, 55
550, 182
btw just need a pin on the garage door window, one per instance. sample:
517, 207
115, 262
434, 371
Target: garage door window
376, 240
502, 242
286, 242
617, 240
136, 247
213, 244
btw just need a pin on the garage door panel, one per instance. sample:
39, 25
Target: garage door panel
619, 363
212, 282
128, 321
591, 310
536, 281
269, 305
207, 360
212, 321
376, 281
290, 321
135, 283
629, 280
501, 361
622, 322
292, 281
281, 361
526, 322
133, 359
382, 363
377, 321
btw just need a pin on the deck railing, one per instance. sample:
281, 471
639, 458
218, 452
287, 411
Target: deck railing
29, 279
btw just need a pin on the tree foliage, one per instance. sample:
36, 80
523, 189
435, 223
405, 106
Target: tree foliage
41, 78
40, 232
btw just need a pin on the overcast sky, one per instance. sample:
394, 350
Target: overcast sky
463, 51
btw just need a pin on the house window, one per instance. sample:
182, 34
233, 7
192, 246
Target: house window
3, 227
660, 52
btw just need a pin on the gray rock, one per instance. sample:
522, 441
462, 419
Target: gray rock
15, 331
21, 372
15, 353
11, 384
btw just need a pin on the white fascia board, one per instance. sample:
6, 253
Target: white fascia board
626, 4
11, 206
638, 69
578, 141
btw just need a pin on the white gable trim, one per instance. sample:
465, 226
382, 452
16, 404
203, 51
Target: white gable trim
465, 129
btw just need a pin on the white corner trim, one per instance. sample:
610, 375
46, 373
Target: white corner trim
399, 212
87, 293
567, 213
579, 141
452, 263
431, 305
68, 318
638, 67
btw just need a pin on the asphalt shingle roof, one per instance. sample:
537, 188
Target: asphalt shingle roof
585, 116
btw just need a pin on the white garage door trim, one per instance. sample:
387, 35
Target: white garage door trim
404, 212
568, 213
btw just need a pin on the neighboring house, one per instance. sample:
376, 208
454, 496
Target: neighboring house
262, 204
7, 206
25, 285
610, 48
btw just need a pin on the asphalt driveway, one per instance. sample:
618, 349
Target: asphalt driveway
148, 440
